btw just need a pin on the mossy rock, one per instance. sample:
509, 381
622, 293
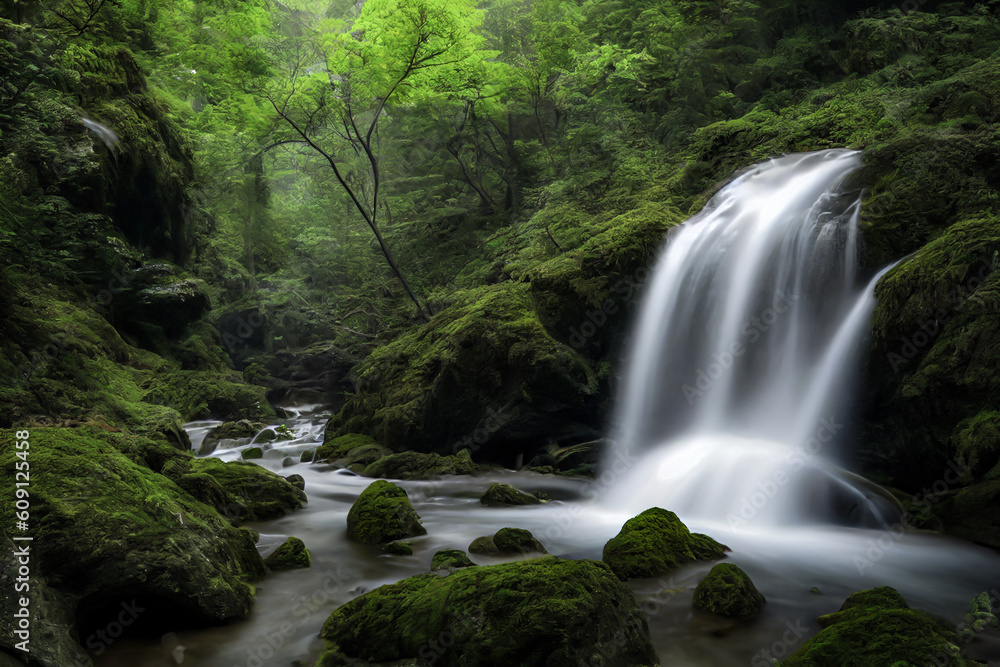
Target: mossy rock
338, 447
544, 612
383, 513
298, 481
506, 542
499, 495
210, 394
239, 490
418, 465
481, 375
397, 549
981, 615
877, 627
656, 542
251, 453
292, 554
935, 343
449, 560
107, 528
728, 591
243, 428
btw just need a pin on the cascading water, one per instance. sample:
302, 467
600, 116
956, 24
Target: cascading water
734, 392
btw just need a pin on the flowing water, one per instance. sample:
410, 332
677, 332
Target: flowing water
731, 415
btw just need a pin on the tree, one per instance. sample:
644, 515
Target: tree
340, 86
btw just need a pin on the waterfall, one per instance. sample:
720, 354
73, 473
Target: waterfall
733, 397
106, 134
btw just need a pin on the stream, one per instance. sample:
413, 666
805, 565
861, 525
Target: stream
804, 571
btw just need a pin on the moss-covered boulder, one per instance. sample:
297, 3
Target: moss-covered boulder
499, 495
545, 612
506, 542
418, 465
106, 529
728, 591
449, 560
656, 542
483, 374
292, 554
234, 430
397, 548
877, 627
981, 615
251, 453
339, 447
239, 490
383, 513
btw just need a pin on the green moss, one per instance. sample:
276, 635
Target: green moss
252, 453
339, 447
499, 495
477, 369
934, 359
251, 493
507, 541
728, 591
450, 560
107, 526
980, 616
382, 513
417, 465
877, 627
484, 546
545, 611
656, 542
517, 540
292, 554
397, 549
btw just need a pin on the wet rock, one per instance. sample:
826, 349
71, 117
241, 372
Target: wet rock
233, 430
383, 513
878, 627
397, 549
535, 613
728, 591
449, 560
499, 495
252, 453
415, 465
507, 541
239, 490
298, 481
292, 554
656, 542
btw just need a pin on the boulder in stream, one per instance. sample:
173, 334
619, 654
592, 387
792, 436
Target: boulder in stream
507, 541
534, 613
727, 591
383, 513
499, 495
656, 542
878, 627
292, 554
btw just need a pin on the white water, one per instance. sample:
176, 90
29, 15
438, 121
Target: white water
106, 134
732, 404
